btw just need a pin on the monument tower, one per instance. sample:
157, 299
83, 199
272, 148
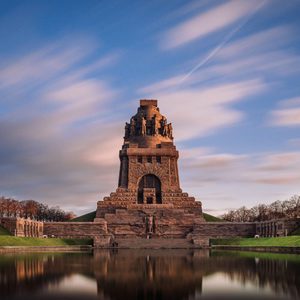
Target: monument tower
149, 201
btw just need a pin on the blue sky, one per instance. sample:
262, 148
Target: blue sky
226, 74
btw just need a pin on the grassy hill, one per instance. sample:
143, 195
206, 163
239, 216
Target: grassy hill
4, 231
210, 218
92, 215
85, 218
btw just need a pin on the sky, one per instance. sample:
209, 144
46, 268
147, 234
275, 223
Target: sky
225, 73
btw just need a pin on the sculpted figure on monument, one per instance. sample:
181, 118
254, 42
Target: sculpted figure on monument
163, 123
170, 130
155, 125
132, 126
143, 126
127, 130
149, 224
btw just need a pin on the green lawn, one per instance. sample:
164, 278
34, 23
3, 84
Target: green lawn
6, 240
4, 231
276, 241
210, 218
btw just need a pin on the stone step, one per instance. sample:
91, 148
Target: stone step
133, 199
154, 243
127, 199
170, 194
179, 198
123, 194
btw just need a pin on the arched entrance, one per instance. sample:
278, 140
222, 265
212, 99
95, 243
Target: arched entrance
149, 190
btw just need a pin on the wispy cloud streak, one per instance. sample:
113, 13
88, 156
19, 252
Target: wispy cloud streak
207, 23
61, 140
226, 39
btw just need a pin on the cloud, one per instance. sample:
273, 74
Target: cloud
210, 105
207, 100
161, 85
286, 117
277, 63
252, 57
261, 41
217, 161
71, 168
206, 23
295, 142
287, 113
78, 100
44, 63
278, 180
62, 146
233, 180
245, 67
275, 168
67, 57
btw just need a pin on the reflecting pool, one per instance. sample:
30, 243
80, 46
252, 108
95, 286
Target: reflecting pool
150, 274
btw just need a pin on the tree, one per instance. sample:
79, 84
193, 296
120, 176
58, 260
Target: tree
10, 207
277, 210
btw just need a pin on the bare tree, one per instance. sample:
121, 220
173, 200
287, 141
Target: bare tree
277, 210
32, 209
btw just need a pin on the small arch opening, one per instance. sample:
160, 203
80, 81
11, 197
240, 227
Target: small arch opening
149, 190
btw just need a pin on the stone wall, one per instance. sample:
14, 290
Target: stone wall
166, 222
75, 229
132, 223
224, 229
202, 232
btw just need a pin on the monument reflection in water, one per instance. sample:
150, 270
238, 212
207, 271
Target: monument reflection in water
154, 274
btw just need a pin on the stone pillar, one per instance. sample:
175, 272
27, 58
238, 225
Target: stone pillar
123, 176
102, 241
200, 241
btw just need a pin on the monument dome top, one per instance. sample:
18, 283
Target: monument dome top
148, 127
148, 102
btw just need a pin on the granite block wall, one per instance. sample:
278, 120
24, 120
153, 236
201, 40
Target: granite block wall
75, 229
224, 229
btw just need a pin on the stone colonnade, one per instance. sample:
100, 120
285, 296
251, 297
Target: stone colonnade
270, 228
23, 227
29, 228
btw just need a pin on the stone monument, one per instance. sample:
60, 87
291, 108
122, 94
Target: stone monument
149, 202
149, 209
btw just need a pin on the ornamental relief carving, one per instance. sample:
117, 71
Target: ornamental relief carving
144, 169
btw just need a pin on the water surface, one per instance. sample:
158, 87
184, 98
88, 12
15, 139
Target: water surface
150, 274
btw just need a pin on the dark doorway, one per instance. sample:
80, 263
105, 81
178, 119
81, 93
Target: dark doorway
149, 181
149, 200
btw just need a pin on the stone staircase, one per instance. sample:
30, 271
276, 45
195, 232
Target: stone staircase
154, 243
125, 197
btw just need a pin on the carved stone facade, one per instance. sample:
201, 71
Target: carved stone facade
273, 228
149, 202
23, 227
